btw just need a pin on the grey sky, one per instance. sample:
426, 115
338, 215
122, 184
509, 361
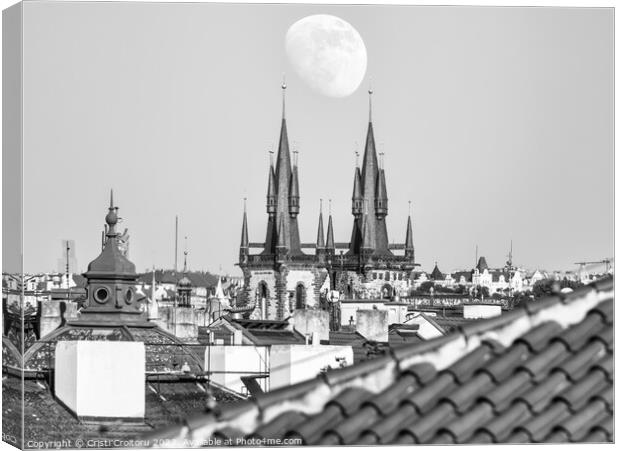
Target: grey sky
496, 124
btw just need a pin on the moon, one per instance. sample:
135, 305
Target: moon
327, 53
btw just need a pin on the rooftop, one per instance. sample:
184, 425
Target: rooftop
540, 373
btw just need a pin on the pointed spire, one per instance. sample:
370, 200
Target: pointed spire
245, 242
357, 198
320, 236
409, 235
381, 201
330, 245
272, 196
111, 218
293, 203
437, 274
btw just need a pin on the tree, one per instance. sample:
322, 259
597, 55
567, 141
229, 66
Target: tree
425, 287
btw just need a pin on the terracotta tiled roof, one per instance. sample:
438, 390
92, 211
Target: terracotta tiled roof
540, 373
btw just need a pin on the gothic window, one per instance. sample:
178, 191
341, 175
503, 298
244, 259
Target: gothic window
381, 276
300, 296
262, 290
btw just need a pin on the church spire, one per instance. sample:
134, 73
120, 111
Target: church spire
330, 245
357, 199
409, 237
272, 196
293, 198
381, 201
320, 236
245, 242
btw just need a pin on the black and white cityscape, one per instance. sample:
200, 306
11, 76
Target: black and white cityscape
322, 225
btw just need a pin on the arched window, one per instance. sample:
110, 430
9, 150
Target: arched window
300, 296
262, 290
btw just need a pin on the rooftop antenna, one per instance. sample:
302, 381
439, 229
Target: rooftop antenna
185, 257
283, 95
68, 248
476, 262
370, 99
176, 242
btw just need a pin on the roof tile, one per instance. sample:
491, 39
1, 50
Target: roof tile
424, 428
505, 364
504, 394
580, 424
385, 430
349, 399
463, 368
464, 396
605, 310
575, 337
538, 338
463, 427
502, 426
539, 397
424, 400
540, 425
552, 355
578, 364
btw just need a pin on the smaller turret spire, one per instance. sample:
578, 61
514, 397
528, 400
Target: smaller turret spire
330, 230
111, 218
245, 244
272, 197
320, 236
293, 199
409, 237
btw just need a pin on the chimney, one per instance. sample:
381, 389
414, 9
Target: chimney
315, 339
237, 337
372, 324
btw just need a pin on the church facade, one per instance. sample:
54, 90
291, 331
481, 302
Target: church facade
286, 274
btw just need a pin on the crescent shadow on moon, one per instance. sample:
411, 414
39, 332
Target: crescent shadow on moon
327, 53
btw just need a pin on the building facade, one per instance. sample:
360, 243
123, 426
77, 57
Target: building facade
282, 277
